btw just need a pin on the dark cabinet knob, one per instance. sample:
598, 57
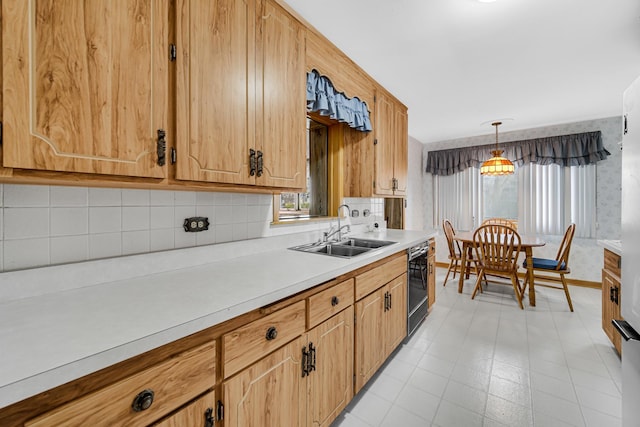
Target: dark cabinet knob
143, 400
272, 333
334, 301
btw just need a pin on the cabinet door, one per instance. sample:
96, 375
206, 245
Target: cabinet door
401, 151
331, 383
195, 414
384, 147
610, 310
431, 277
215, 77
281, 98
395, 319
84, 85
268, 393
370, 337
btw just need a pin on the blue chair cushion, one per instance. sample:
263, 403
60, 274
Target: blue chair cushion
545, 264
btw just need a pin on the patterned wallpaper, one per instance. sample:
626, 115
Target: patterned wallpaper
586, 256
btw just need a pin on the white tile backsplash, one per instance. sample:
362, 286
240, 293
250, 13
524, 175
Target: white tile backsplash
105, 219
135, 242
135, 197
105, 197
69, 196
161, 217
135, 218
44, 225
69, 221
25, 223
69, 249
105, 245
161, 239
26, 253
161, 198
22, 196
184, 198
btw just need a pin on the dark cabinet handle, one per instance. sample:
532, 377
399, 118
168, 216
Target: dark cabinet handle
208, 418
305, 362
390, 301
143, 400
272, 333
312, 358
260, 164
162, 147
252, 162
611, 293
386, 301
335, 301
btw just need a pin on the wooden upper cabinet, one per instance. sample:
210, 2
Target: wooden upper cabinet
240, 94
281, 102
401, 152
84, 85
215, 90
384, 146
391, 146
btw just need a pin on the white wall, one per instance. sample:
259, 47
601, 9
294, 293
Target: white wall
44, 225
586, 257
414, 214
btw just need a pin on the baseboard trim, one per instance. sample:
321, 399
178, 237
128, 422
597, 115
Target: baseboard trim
574, 282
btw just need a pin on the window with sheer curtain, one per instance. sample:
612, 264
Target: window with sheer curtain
544, 199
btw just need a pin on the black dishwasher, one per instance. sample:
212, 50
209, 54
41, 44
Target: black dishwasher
418, 301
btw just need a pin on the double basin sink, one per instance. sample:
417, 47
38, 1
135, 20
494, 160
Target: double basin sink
344, 249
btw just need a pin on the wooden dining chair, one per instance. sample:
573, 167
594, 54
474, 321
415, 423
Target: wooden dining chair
455, 254
504, 221
553, 270
497, 247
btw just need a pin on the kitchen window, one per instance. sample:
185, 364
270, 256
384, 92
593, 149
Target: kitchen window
315, 202
544, 199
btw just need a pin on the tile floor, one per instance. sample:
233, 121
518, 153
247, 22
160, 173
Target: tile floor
488, 363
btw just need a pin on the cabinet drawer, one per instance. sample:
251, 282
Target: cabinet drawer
251, 342
325, 304
612, 262
371, 280
173, 383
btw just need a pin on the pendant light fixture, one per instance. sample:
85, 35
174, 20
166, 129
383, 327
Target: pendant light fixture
497, 165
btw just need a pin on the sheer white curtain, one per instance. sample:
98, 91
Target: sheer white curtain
550, 197
458, 198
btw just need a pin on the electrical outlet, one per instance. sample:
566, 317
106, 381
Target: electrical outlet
195, 224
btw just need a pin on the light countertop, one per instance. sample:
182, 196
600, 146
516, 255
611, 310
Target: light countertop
62, 328
614, 246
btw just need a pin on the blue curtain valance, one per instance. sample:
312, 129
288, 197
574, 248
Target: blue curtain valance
323, 98
565, 150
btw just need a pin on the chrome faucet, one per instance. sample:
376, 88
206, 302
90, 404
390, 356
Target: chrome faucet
347, 226
333, 231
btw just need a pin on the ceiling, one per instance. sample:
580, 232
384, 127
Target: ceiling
458, 65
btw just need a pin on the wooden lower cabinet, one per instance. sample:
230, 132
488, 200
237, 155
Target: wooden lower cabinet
199, 413
431, 272
330, 384
308, 382
395, 322
381, 324
142, 398
611, 307
270, 392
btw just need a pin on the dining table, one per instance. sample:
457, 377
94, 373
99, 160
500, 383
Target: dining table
527, 243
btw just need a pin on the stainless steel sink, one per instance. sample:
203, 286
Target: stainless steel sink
366, 243
340, 250
345, 249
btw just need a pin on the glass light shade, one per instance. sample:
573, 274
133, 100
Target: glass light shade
497, 165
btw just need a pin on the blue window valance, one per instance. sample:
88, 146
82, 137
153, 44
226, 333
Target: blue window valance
564, 150
322, 98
